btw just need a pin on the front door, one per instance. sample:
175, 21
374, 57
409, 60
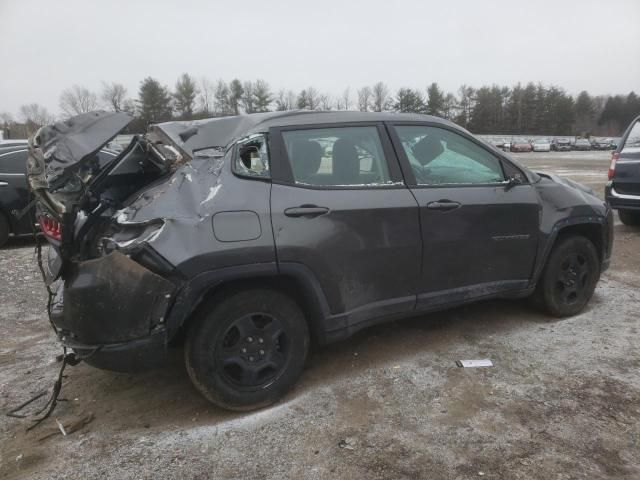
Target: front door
479, 232
342, 212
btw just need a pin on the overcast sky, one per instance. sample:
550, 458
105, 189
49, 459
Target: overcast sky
46, 46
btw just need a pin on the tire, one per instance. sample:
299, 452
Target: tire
569, 278
248, 349
4, 230
629, 217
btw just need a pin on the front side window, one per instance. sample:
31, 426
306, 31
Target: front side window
439, 157
341, 156
252, 158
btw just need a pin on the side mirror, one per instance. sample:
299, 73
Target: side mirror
512, 181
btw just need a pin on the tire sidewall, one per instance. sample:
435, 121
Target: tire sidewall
629, 217
4, 229
565, 247
204, 368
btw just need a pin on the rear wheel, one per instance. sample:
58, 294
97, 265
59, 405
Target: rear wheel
4, 230
629, 217
248, 349
569, 278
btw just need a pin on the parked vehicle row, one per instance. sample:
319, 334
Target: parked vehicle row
296, 227
557, 144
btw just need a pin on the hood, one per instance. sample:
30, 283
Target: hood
58, 151
568, 182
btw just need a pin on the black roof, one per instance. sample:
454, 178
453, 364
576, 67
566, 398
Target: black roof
219, 132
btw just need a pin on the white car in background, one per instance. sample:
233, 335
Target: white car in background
541, 145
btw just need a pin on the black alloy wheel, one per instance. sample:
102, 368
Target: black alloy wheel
569, 278
246, 348
253, 351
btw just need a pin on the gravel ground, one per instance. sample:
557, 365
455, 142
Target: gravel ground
562, 401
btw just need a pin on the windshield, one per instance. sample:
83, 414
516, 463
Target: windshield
520, 140
542, 140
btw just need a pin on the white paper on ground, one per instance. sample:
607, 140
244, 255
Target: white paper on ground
485, 362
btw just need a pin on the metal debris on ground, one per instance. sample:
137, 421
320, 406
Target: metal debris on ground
69, 427
348, 443
485, 362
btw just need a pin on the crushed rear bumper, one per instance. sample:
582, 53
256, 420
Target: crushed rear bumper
111, 311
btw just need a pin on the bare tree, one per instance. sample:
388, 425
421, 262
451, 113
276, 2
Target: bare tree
313, 98
206, 96
381, 100
77, 100
113, 95
35, 116
344, 102
286, 100
325, 102
364, 99
6, 117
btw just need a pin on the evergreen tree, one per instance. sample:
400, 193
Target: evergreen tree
235, 96
435, 100
221, 100
585, 112
154, 102
185, 96
466, 104
409, 101
262, 96
302, 102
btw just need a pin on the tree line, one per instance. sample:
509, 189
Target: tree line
492, 109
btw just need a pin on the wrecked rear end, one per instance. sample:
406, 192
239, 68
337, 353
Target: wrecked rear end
112, 288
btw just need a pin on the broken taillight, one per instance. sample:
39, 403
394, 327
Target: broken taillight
50, 227
612, 167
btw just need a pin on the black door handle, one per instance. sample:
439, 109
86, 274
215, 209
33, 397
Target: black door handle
443, 205
306, 211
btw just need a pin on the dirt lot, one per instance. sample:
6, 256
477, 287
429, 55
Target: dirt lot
562, 401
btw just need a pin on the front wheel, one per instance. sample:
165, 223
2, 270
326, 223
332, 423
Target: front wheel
569, 278
629, 217
248, 349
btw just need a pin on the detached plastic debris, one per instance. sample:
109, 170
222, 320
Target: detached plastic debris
485, 362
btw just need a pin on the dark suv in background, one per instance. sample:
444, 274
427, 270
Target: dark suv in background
561, 145
622, 191
16, 216
14, 194
256, 234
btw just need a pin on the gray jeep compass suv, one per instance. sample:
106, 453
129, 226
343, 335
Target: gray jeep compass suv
256, 234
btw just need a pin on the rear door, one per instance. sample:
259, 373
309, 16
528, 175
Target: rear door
342, 213
479, 233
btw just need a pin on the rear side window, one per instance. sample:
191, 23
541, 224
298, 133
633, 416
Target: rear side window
342, 156
252, 157
13, 162
438, 156
633, 140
